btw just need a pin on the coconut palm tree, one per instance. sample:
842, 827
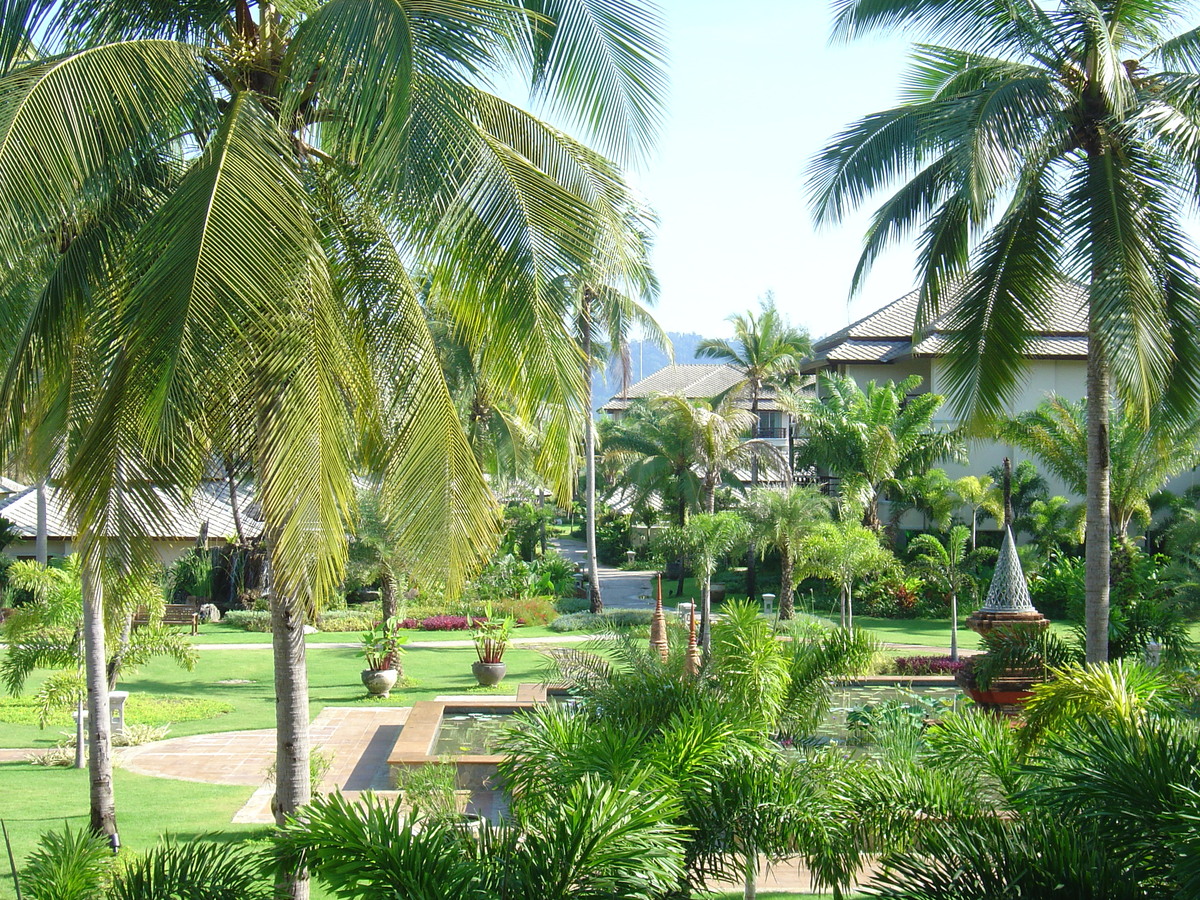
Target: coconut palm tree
606, 307
1034, 144
780, 519
1143, 458
653, 455
870, 439
717, 431
767, 350
301, 156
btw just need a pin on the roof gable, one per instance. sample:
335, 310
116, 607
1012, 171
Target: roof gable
888, 333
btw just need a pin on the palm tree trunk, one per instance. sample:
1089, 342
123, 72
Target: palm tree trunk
842, 597
117, 660
787, 606
850, 605
706, 614
41, 547
103, 804
233, 503
974, 518
1097, 542
589, 450
387, 594
750, 892
954, 626
293, 788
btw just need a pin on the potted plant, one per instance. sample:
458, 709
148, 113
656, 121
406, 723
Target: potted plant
381, 646
491, 638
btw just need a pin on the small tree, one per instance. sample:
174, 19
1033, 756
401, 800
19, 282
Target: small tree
708, 537
980, 493
779, 520
943, 563
842, 552
46, 634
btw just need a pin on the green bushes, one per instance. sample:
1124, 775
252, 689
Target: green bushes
357, 618
258, 620
613, 619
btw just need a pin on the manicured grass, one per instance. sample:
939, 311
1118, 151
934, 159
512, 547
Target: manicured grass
333, 681
220, 633
34, 800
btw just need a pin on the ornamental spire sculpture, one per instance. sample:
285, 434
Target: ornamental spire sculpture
658, 626
1008, 601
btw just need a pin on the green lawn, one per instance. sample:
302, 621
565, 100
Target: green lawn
34, 800
219, 633
333, 681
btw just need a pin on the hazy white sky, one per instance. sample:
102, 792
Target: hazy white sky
756, 90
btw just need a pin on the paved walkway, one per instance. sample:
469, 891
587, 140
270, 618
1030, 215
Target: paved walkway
619, 589
358, 740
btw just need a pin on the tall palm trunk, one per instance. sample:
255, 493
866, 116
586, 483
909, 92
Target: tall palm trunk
787, 606
41, 546
589, 451
293, 788
103, 804
1097, 542
387, 593
706, 614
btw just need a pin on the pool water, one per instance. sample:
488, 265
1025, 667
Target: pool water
929, 701
469, 733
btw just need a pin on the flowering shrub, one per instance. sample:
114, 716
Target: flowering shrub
928, 665
442, 623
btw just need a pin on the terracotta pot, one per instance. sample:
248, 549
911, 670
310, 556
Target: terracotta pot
379, 682
488, 674
998, 698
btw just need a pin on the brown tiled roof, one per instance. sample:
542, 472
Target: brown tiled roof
887, 334
696, 382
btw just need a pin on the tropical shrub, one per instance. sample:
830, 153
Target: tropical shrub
356, 619
614, 535
894, 595
443, 623
609, 620
257, 620
1057, 585
566, 605
927, 665
526, 610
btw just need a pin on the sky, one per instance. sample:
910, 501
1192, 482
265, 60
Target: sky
756, 90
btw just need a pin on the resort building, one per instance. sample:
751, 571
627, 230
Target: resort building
704, 382
207, 519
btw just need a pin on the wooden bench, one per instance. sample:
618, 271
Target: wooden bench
173, 614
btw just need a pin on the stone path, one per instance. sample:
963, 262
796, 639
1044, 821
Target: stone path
358, 741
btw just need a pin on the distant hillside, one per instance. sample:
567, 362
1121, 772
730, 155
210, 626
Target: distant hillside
646, 359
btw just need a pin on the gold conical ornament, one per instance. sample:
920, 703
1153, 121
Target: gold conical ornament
691, 664
658, 626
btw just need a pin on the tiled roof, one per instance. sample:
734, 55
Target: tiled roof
181, 522
887, 333
865, 351
696, 382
